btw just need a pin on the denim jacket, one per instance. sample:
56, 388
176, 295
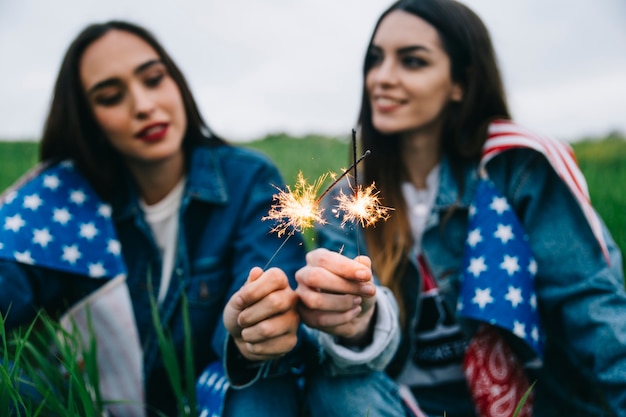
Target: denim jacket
221, 237
581, 298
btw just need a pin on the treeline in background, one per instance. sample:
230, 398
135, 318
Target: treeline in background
602, 161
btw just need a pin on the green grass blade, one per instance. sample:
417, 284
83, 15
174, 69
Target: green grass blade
190, 377
523, 400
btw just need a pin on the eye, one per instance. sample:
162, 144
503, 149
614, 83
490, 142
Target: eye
109, 99
154, 80
411, 62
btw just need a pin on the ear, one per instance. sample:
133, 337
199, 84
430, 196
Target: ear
456, 94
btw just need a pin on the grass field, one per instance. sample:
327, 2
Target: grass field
602, 161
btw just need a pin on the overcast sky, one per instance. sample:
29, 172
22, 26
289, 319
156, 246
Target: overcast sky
263, 66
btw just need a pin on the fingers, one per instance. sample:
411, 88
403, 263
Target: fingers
325, 320
275, 327
315, 299
358, 269
262, 316
325, 280
271, 338
337, 294
254, 274
364, 260
274, 303
260, 284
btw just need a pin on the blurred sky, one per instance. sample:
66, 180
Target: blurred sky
262, 66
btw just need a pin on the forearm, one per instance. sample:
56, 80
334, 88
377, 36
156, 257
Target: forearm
377, 354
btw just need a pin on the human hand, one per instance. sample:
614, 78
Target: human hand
262, 317
337, 294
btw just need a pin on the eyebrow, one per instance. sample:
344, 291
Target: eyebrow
114, 81
404, 49
412, 48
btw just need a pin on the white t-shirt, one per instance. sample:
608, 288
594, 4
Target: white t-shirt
420, 204
163, 220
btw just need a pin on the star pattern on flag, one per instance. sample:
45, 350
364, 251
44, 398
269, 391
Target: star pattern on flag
56, 220
499, 269
211, 388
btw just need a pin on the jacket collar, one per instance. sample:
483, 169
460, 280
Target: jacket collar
205, 182
205, 179
448, 194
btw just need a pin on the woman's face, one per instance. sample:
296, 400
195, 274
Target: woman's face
133, 98
409, 82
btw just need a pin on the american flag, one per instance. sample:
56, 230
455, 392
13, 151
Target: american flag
499, 269
54, 219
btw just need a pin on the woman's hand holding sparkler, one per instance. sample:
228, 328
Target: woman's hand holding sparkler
262, 316
337, 295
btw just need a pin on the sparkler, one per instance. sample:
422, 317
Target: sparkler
298, 210
363, 206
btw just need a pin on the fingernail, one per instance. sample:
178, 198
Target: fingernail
357, 301
368, 289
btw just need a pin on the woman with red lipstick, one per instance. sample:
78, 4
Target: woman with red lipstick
139, 205
504, 273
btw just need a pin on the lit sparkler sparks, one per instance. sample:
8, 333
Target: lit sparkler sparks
363, 206
298, 209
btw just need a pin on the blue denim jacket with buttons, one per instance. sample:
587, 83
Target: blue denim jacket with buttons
581, 298
221, 237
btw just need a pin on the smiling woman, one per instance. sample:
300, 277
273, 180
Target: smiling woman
136, 204
506, 277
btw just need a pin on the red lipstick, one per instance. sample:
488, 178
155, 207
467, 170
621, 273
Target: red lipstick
153, 132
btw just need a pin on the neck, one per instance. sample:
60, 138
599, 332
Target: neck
420, 153
156, 180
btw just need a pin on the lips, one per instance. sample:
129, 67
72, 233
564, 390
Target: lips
386, 104
153, 132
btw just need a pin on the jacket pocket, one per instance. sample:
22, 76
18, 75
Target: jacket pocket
209, 282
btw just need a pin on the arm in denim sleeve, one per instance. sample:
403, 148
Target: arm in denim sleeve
386, 336
254, 245
581, 297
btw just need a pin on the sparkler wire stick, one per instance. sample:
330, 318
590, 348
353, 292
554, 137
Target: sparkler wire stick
279, 248
327, 190
356, 190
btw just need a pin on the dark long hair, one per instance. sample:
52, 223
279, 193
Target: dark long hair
472, 65
71, 131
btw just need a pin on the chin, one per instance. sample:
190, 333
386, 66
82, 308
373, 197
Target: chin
387, 129
388, 126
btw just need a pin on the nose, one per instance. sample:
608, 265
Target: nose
384, 74
143, 102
